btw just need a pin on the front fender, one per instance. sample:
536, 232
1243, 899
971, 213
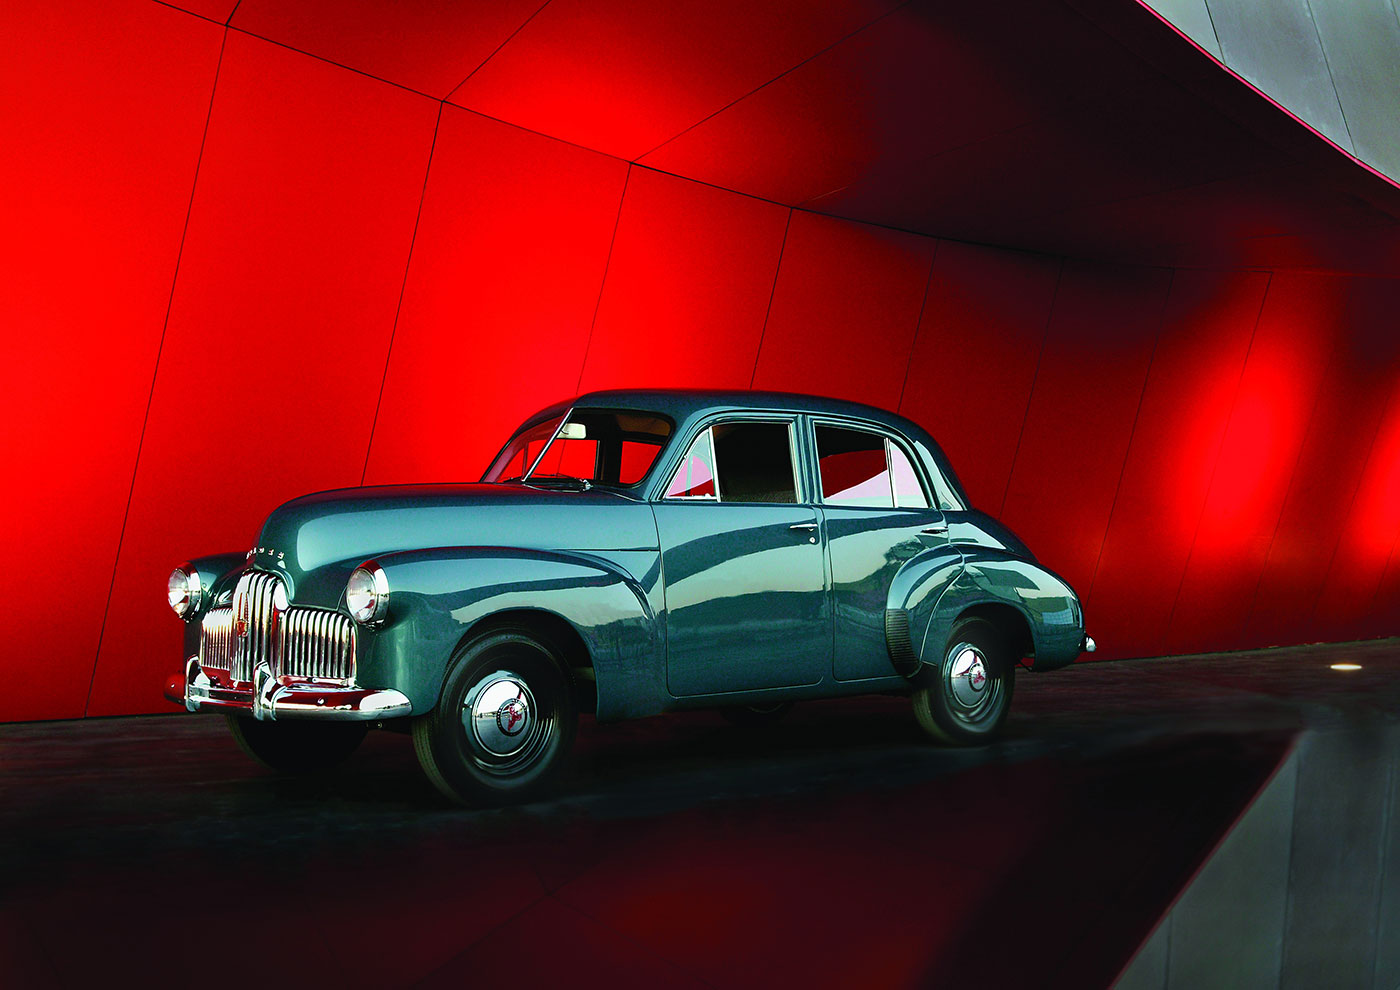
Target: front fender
218, 573
436, 596
991, 576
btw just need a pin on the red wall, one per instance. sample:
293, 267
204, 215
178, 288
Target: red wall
238, 272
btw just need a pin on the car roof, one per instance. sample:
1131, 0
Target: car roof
683, 404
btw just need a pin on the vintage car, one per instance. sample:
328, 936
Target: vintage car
627, 553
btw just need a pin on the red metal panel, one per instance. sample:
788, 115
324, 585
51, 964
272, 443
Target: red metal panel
1191, 387
292, 268
622, 76
1087, 390
929, 77
500, 295
1383, 617
1325, 484
1366, 547
845, 309
687, 288
214, 10
101, 135
975, 357
422, 44
1292, 344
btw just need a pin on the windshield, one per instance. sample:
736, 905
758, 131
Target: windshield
611, 448
522, 451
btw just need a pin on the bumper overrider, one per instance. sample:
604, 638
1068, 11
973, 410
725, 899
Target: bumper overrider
270, 697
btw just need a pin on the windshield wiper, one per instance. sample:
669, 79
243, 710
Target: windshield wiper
564, 481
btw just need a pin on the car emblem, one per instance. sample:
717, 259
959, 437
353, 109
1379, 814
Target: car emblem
510, 717
977, 676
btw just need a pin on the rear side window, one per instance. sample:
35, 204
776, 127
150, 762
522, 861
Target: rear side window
854, 467
860, 468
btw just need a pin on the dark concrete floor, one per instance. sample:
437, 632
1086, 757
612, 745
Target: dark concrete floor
835, 849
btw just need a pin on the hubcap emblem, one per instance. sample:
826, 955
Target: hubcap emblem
510, 717
977, 676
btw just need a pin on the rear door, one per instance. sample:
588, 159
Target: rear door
878, 515
741, 552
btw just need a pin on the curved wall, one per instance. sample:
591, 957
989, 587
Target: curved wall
241, 272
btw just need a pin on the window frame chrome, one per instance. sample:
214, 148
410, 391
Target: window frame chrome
790, 419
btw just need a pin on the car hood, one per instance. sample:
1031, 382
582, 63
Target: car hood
318, 539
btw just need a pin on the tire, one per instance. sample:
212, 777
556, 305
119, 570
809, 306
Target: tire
756, 716
296, 747
504, 725
950, 706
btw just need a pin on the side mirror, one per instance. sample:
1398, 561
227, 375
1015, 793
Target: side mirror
573, 431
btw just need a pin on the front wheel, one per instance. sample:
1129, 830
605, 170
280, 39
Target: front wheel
296, 747
505, 722
965, 701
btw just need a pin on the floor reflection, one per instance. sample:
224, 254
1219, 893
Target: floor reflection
836, 849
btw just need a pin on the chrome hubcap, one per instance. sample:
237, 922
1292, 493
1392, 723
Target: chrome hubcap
504, 727
971, 690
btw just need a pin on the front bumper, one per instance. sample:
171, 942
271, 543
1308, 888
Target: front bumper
269, 698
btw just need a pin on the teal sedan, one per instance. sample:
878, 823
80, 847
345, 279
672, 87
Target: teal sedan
627, 553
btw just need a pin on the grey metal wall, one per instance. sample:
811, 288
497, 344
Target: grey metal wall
1305, 890
1333, 63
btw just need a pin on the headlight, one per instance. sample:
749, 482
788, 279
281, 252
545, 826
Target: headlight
367, 594
184, 590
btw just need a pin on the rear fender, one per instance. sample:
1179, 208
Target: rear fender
1046, 603
913, 600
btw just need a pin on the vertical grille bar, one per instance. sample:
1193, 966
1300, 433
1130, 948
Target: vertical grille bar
317, 643
215, 639
254, 603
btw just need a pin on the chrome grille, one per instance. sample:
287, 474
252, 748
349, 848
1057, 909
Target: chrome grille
255, 615
316, 642
216, 639
259, 627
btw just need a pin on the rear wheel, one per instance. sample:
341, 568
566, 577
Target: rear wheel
502, 730
965, 701
297, 747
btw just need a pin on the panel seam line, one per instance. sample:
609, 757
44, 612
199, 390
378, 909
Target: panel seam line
155, 373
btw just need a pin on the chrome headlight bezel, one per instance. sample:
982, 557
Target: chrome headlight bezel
184, 591
367, 594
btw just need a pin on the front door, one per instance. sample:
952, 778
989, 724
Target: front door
742, 561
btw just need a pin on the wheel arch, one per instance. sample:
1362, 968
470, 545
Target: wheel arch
1008, 620
558, 631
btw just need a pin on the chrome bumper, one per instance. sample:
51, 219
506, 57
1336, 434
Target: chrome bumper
272, 698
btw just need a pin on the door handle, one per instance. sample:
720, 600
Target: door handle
937, 529
804, 526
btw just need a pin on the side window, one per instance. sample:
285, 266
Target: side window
696, 476
908, 493
754, 462
854, 467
